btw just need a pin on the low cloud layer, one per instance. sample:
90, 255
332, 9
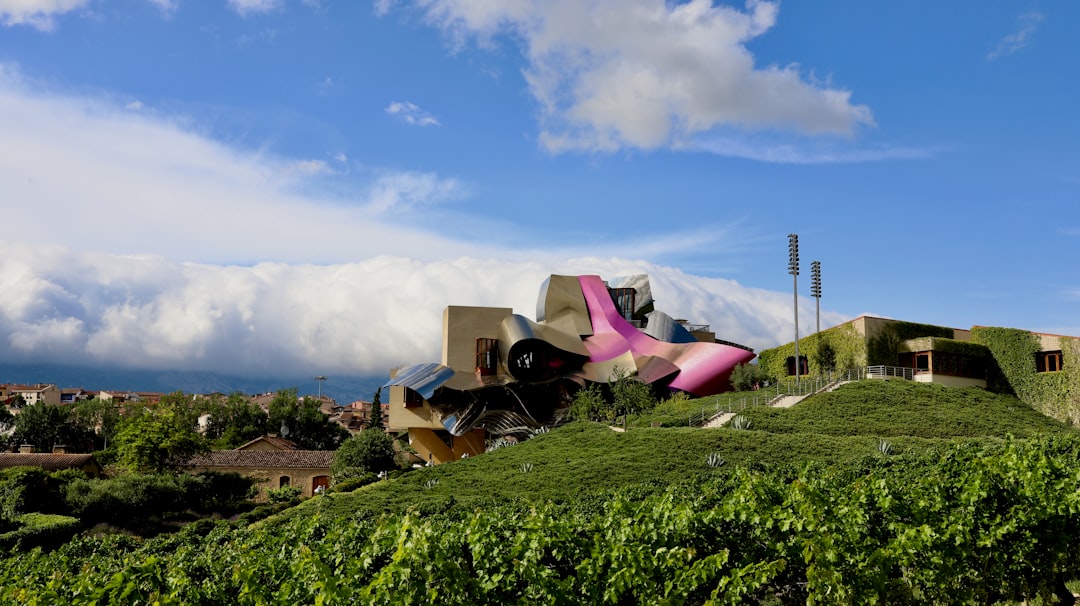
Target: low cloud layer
648, 73
354, 318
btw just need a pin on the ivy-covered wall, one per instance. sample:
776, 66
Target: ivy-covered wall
1055, 394
838, 348
963, 348
881, 347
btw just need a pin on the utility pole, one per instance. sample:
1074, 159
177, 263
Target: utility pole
793, 269
815, 288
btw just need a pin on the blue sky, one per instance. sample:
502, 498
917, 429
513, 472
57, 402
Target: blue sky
246, 185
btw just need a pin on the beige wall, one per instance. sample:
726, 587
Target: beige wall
948, 380
430, 446
462, 326
268, 478
405, 417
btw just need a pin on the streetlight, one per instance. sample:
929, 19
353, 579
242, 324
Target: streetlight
815, 288
793, 269
319, 379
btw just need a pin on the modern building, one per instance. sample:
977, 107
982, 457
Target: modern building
1041, 369
502, 374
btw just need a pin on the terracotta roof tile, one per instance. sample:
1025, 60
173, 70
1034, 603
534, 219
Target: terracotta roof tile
45, 460
318, 459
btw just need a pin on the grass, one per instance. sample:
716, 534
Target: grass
585, 460
903, 408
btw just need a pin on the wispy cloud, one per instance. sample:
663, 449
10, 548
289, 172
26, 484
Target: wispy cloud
38, 14
411, 113
647, 74
1028, 24
246, 8
800, 150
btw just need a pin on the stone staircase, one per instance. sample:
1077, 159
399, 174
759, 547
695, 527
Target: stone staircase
781, 401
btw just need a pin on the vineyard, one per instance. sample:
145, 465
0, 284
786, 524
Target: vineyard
652, 516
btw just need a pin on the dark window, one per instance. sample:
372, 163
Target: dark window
624, 299
804, 366
487, 356
1048, 361
412, 399
283, 481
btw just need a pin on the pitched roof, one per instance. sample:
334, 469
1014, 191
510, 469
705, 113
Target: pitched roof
46, 460
274, 441
310, 459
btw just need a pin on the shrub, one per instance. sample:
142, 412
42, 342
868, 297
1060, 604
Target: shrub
47, 531
351, 483
371, 450
285, 494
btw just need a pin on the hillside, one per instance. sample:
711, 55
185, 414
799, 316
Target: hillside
582, 458
584, 514
904, 408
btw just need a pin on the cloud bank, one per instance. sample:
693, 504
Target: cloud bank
647, 73
134, 240
361, 318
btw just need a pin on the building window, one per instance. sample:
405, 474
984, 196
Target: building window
413, 399
487, 356
283, 481
804, 366
1048, 361
624, 299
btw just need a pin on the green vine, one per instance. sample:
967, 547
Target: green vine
881, 348
1056, 394
837, 348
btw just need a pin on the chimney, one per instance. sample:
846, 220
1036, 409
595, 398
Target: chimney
26, 448
59, 449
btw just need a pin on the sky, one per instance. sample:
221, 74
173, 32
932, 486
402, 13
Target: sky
259, 186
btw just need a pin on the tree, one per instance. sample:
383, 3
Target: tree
629, 395
369, 451
235, 421
307, 425
159, 439
375, 417
45, 425
589, 404
745, 377
98, 418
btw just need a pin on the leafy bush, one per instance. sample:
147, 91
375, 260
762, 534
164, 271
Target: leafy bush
40, 530
371, 450
285, 494
352, 482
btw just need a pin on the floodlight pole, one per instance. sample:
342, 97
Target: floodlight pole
815, 288
793, 269
319, 379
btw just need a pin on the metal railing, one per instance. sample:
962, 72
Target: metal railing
883, 372
768, 395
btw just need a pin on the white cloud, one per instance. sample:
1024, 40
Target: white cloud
168, 7
253, 7
36, 13
351, 318
648, 73
165, 221
76, 170
1028, 23
411, 113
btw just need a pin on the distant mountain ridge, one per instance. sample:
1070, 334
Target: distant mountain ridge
344, 389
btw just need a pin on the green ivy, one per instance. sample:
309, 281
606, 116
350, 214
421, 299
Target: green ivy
881, 348
837, 348
1056, 394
